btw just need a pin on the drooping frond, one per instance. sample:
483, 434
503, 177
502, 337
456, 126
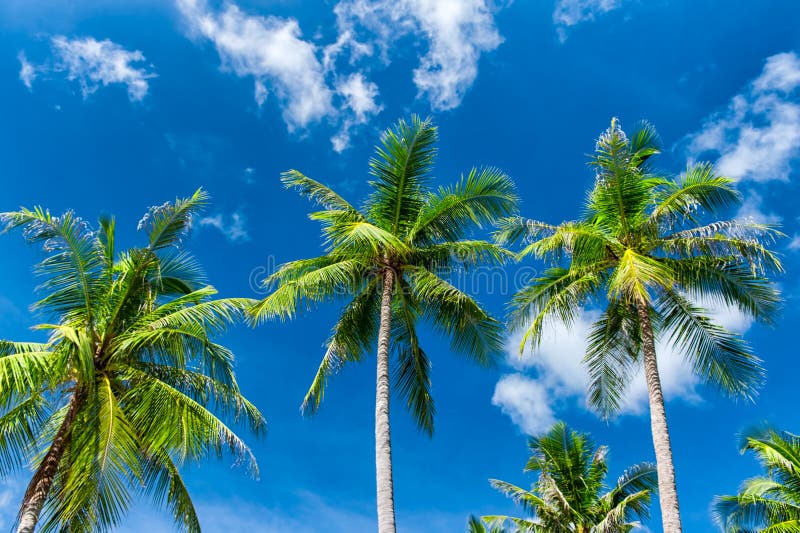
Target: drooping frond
472, 331
352, 335
700, 187
412, 370
720, 357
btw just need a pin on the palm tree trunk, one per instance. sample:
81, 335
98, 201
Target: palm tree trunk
667, 490
383, 438
39, 487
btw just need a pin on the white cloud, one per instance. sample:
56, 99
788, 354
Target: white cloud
233, 226
554, 375
27, 72
457, 33
271, 50
527, 401
572, 12
359, 97
93, 64
757, 137
794, 244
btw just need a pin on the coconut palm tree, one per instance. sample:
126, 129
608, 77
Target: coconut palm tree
126, 387
646, 251
391, 258
570, 495
765, 503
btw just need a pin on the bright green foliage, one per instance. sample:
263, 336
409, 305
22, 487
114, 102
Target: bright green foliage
770, 503
570, 495
476, 525
644, 241
417, 232
131, 342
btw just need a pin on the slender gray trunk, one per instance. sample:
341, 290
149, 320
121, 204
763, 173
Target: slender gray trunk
667, 490
39, 487
383, 438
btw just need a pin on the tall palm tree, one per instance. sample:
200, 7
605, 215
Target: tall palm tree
765, 503
570, 495
125, 388
390, 257
645, 250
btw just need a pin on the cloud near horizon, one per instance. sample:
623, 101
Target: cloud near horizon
544, 383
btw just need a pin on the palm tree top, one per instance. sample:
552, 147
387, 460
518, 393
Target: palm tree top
571, 494
130, 383
418, 232
648, 239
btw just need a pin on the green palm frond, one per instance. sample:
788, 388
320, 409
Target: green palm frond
401, 170
166, 224
765, 503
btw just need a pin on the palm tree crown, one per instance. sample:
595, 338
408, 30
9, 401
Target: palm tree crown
771, 502
125, 388
571, 495
391, 258
645, 252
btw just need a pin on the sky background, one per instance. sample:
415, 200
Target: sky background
112, 106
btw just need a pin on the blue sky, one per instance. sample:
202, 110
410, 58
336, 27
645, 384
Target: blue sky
114, 106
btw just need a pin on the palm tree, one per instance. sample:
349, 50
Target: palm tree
771, 502
125, 387
388, 257
570, 495
644, 251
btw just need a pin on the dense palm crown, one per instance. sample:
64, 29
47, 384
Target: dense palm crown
769, 503
570, 495
125, 388
645, 252
416, 233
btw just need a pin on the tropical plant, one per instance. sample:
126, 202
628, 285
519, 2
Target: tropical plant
476, 525
768, 503
126, 386
390, 258
570, 495
645, 252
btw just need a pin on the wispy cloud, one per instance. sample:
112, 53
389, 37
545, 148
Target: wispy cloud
757, 136
457, 33
233, 226
93, 64
359, 96
572, 12
553, 378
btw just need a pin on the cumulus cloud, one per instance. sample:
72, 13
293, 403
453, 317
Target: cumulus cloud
271, 50
93, 64
457, 33
554, 376
232, 226
360, 98
572, 12
757, 137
